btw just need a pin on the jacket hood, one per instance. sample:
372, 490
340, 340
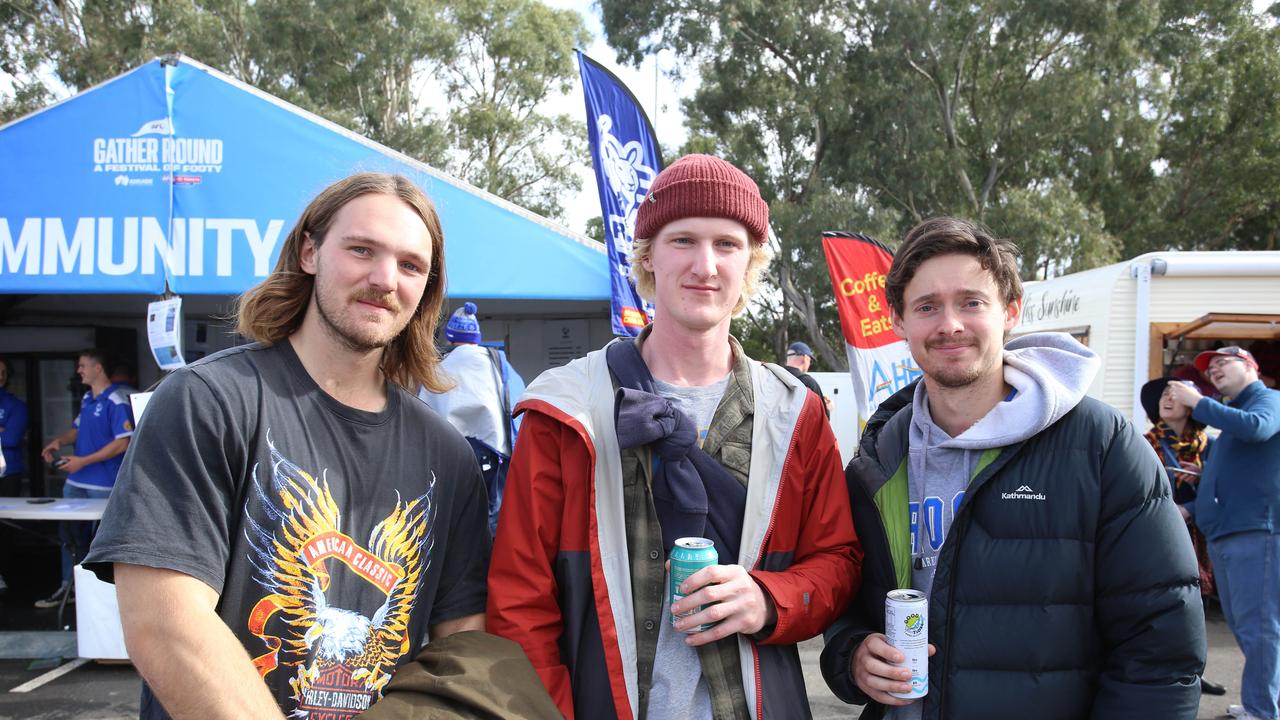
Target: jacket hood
1051, 373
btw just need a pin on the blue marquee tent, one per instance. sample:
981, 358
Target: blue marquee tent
174, 171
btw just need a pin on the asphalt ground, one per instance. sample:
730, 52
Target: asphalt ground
97, 691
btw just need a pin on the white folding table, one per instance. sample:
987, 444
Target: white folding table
98, 633
20, 508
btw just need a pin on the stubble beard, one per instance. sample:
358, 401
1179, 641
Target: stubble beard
954, 378
958, 379
350, 338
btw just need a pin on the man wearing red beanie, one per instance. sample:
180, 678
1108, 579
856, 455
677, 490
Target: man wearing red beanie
675, 434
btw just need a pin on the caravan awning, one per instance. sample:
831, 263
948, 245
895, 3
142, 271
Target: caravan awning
175, 171
1229, 326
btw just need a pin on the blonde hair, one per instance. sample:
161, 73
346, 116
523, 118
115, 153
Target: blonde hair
643, 247
273, 310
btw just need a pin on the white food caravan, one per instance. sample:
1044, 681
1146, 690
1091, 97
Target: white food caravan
1153, 313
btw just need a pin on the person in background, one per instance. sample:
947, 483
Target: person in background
101, 435
122, 375
13, 431
676, 433
1238, 509
485, 389
1181, 444
799, 360
1034, 518
292, 523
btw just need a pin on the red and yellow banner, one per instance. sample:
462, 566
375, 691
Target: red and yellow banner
859, 267
880, 362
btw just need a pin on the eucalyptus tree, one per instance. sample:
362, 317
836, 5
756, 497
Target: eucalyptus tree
1085, 129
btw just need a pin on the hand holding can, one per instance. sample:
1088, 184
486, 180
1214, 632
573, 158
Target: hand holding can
876, 668
688, 556
906, 625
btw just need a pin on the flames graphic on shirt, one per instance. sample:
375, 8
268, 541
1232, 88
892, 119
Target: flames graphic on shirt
342, 658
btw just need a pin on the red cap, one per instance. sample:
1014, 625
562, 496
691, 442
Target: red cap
703, 186
1202, 360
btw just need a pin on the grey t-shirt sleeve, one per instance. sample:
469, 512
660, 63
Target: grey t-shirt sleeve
464, 574
174, 502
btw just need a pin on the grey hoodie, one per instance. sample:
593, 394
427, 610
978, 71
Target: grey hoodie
1049, 373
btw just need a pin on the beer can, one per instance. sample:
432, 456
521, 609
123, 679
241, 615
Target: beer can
906, 624
689, 555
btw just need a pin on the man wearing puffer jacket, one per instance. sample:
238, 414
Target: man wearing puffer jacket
1060, 580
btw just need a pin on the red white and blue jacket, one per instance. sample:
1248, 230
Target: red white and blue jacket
559, 579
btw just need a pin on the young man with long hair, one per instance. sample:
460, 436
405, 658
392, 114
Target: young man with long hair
291, 521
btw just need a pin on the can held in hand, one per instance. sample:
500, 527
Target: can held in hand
689, 555
906, 624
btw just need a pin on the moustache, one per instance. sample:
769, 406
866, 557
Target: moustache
951, 341
386, 301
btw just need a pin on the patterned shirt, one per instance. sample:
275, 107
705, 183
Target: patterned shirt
728, 441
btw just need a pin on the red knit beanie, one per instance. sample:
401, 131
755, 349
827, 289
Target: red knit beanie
703, 186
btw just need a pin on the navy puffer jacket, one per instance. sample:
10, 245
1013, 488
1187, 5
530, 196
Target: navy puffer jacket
1075, 600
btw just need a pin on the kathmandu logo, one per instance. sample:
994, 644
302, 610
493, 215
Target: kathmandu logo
1024, 492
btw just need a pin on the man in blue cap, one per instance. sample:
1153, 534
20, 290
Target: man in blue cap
799, 359
485, 389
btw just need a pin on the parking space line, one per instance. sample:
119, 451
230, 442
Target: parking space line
50, 676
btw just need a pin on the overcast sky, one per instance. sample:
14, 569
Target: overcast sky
665, 115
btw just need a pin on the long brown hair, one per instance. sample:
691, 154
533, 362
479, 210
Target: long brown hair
273, 310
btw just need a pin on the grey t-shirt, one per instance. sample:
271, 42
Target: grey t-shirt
334, 537
678, 691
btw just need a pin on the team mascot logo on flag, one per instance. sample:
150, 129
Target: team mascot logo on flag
879, 361
626, 158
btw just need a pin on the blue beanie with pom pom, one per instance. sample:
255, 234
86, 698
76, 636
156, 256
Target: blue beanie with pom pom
463, 325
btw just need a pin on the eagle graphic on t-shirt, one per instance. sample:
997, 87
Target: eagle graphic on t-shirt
342, 657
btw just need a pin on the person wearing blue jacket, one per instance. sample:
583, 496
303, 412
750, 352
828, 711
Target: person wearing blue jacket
13, 427
101, 434
1238, 508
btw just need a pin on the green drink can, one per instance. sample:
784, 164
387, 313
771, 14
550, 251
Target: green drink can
689, 555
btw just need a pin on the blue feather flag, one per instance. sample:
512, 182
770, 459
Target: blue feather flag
626, 157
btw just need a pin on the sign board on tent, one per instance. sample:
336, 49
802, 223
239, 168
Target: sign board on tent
175, 172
